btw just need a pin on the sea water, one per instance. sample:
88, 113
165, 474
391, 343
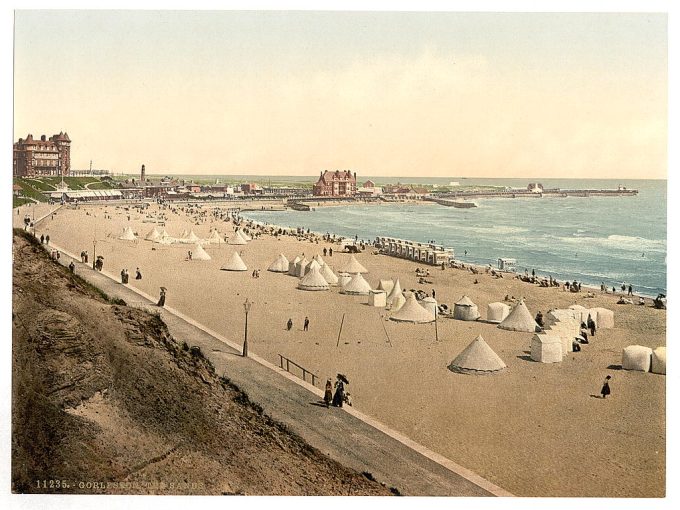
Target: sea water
589, 239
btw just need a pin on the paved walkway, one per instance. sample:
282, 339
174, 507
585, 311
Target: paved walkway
346, 435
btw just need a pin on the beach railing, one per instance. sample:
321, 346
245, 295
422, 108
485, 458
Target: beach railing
305, 372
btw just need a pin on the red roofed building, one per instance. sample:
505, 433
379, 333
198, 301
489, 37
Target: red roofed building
42, 157
335, 184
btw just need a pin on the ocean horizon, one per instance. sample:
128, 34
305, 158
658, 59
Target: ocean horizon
593, 240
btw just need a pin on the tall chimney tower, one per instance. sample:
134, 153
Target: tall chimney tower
143, 175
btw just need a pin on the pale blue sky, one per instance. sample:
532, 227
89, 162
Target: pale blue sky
388, 93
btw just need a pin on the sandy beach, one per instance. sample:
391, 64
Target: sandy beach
534, 429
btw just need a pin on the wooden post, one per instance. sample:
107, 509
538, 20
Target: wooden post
340, 332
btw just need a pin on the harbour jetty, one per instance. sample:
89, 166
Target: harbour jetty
532, 191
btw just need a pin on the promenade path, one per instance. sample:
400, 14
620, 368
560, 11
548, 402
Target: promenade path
344, 434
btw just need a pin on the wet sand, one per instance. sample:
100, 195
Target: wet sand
534, 429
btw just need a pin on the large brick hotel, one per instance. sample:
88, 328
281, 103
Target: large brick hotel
42, 157
335, 184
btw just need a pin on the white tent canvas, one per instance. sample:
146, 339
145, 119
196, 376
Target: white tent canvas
245, 236
377, 298
396, 291
236, 240
192, 237
386, 285
313, 281
215, 238
430, 304
496, 312
292, 264
300, 267
353, 266
465, 310
344, 279
604, 319
128, 235
312, 265
319, 260
328, 275
520, 319
357, 286
659, 360
411, 311
546, 348
477, 358
280, 265
183, 234
397, 302
153, 235
234, 263
199, 253
637, 357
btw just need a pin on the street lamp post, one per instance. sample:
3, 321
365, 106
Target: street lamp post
94, 253
246, 306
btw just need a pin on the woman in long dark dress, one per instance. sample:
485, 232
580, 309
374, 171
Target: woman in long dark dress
605, 387
339, 393
161, 301
328, 394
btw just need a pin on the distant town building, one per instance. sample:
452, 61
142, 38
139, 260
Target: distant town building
335, 184
42, 157
250, 188
535, 187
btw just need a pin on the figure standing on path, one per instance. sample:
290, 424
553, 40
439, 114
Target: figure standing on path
630, 290
328, 393
42, 239
47, 239
72, 267
591, 325
330, 251
605, 387
161, 300
138, 275
433, 294
339, 393
306, 325
289, 324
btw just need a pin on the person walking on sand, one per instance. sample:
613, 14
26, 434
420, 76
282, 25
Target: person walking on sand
433, 294
289, 324
72, 267
306, 324
47, 239
591, 325
605, 387
138, 275
630, 290
339, 396
328, 393
42, 239
330, 251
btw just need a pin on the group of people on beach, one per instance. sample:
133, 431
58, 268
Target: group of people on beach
338, 398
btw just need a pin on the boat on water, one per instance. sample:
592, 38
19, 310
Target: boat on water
460, 204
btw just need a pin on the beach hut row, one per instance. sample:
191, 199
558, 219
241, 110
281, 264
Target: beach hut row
163, 237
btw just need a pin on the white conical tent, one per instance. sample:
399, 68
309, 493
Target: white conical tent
128, 235
184, 234
280, 265
411, 311
312, 265
236, 239
313, 281
465, 310
344, 279
396, 291
235, 263
300, 267
243, 235
215, 238
520, 319
319, 260
386, 285
398, 302
292, 264
153, 235
328, 274
192, 237
477, 358
496, 312
165, 234
353, 266
199, 253
357, 286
